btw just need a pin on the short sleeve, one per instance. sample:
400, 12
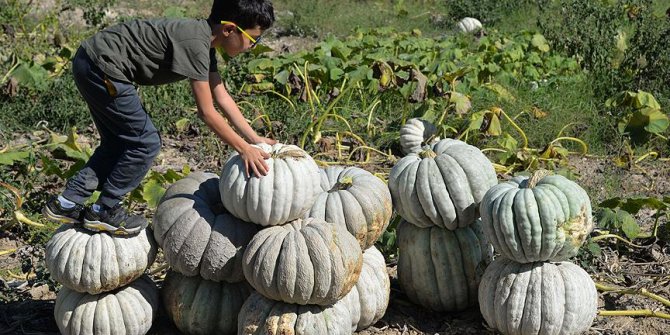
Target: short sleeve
213, 64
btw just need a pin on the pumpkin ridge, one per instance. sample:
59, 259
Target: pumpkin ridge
459, 194
523, 226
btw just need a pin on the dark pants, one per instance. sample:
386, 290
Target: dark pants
129, 141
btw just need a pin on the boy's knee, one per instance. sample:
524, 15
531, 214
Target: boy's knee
152, 143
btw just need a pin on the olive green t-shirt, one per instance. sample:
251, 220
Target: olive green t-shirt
155, 51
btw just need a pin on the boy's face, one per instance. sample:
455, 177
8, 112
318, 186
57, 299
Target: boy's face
230, 39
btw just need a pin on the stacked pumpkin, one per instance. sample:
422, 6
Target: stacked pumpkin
436, 189
306, 265
104, 288
203, 244
238, 239
536, 224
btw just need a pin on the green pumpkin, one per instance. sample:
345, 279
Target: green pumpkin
441, 186
303, 262
542, 218
539, 298
355, 199
129, 310
263, 316
439, 268
197, 235
198, 306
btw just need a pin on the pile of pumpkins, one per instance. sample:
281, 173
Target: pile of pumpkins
291, 252
455, 210
105, 290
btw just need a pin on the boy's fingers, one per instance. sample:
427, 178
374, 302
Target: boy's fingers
246, 168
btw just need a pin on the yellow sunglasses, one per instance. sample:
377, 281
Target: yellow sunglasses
253, 41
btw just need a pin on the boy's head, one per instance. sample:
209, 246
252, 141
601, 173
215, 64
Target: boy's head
247, 14
245, 21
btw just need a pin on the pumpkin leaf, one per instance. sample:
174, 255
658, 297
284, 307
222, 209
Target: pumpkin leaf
152, 193
502, 92
628, 225
9, 158
540, 42
461, 103
182, 125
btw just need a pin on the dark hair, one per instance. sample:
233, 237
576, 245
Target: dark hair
245, 13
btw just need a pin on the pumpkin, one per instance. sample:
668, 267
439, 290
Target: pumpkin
368, 299
416, 133
284, 194
469, 25
307, 261
439, 268
197, 235
542, 218
90, 262
355, 199
199, 306
129, 310
441, 186
537, 298
263, 316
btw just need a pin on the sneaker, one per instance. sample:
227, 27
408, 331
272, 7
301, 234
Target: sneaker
55, 212
115, 221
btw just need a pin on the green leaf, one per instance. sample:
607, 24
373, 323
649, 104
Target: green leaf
657, 121
182, 124
152, 193
31, 75
628, 225
501, 91
594, 248
540, 43
461, 101
609, 219
9, 158
644, 99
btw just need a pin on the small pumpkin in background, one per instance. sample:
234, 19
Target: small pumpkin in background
263, 316
540, 298
368, 299
129, 310
199, 306
303, 262
415, 134
197, 234
469, 25
284, 194
355, 199
541, 218
89, 262
440, 269
441, 186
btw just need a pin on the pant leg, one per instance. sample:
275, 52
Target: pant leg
129, 139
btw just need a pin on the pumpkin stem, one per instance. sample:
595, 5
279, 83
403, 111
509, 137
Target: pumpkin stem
427, 153
537, 176
289, 154
342, 184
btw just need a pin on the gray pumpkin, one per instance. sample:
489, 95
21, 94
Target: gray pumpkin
441, 186
544, 218
538, 298
263, 316
90, 262
416, 133
197, 235
356, 199
199, 306
307, 261
440, 269
284, 194
368, 299
129, 310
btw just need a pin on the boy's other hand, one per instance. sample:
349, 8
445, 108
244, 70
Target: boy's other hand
269, 141
254, 160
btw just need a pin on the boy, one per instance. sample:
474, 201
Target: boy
154, 52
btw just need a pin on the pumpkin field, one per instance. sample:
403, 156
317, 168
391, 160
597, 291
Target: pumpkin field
442, 167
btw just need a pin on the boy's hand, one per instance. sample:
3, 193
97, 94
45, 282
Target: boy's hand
254, 159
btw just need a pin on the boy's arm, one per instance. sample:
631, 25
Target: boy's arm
254, 158
233, 113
